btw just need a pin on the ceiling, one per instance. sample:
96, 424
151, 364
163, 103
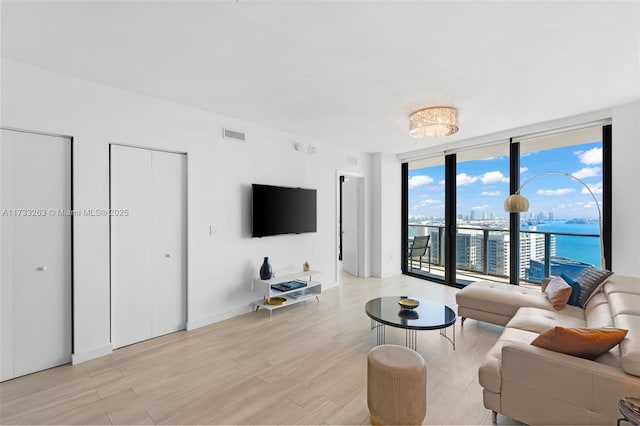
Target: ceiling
345, 72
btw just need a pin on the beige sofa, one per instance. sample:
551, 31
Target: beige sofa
539, 386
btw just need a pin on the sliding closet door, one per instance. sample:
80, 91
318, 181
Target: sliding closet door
36, 252
148, 250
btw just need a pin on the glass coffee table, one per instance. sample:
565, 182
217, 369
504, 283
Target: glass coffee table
428, 315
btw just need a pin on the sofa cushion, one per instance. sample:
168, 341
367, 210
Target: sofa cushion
591, 281
598, 312
489, 374
583, 342
537, 320
500, 299
621, 284
630, 346
558, 292
624, 303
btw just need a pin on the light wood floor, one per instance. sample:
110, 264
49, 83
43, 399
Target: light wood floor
304, 365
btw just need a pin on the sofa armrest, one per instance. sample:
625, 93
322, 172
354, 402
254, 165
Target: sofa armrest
540, 386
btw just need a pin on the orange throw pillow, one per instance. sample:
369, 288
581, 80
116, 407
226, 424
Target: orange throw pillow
583, 342
558, 292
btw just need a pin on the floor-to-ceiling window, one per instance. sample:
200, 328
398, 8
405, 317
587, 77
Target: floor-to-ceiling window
482, 225
560, 173
562, 177
425, 216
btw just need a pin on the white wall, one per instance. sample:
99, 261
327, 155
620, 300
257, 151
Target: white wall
386, 215
626, 189
220, 172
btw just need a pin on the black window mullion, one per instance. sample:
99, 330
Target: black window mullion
514, 218
450, 168
607, 188
404, 232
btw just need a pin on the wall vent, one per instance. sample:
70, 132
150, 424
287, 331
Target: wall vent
232, 134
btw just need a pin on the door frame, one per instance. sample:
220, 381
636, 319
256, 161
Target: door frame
360, 219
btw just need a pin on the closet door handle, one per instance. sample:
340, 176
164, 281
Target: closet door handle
42, 268
168, 255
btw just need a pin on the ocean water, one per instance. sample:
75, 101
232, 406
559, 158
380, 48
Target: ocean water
584, 249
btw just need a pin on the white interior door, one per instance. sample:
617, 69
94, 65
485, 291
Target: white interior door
36, 252
350, 225
131, 242
148, 246
169, 242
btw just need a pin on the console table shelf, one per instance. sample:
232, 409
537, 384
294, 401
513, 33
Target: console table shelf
263, 288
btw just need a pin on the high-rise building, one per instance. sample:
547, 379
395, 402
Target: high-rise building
470, 251
498, 255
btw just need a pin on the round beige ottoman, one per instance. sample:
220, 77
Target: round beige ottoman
396, 386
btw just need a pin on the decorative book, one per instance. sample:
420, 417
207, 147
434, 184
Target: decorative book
289, 285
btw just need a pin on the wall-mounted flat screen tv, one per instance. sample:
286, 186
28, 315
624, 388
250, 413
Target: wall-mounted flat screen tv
280, 210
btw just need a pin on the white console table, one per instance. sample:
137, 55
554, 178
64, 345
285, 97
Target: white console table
263, 289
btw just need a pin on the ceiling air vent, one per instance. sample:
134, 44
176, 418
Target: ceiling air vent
232, 134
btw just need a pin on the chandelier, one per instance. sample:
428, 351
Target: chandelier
433, 122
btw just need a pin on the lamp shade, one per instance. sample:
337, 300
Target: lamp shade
516, 203
433, 122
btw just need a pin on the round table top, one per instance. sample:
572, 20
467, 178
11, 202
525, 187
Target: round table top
429, 315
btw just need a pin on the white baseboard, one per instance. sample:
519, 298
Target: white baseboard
212, 319
83, 356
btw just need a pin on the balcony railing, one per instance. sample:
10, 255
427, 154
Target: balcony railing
477, 255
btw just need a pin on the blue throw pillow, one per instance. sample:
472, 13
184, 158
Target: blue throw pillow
575, 289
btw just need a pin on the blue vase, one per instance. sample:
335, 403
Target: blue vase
265, 270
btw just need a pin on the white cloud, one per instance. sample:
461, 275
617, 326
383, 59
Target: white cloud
524, 169
419, 180
494, 177
560, 191
428, 201
586, 172
577, 152
596, 188
491, 193
464, 179
482, 207
591, 157
441, 182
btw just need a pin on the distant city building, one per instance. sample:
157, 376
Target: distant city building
498, 252
470, 251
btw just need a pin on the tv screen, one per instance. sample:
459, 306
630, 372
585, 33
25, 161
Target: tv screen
280, 210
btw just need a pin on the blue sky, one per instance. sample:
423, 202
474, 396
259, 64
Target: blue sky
482, 185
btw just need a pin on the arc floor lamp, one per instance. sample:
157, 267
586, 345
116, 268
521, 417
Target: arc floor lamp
517, 203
